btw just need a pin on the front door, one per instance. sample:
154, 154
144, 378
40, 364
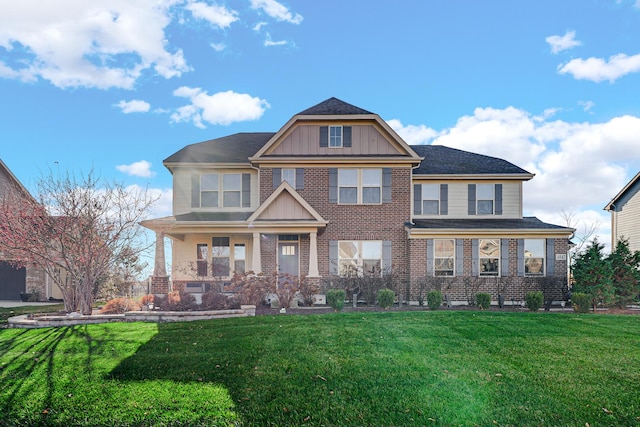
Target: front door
288, 262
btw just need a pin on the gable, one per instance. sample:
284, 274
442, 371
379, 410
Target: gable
285, 205
625, 195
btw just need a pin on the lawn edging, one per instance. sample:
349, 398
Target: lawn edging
46, 321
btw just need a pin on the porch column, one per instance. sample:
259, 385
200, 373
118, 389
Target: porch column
256, 261
313, 254
159, 280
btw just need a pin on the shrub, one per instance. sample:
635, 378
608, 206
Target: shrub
581, 302
483, 300
534, 300
119, 306
177, 301
386, 297
335, 298
147, 299
214, 300
434, 299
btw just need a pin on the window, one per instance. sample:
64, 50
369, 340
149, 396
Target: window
485, 195
229, 185
534, 254
444, 257
202, 258
232, 190
489, 252
430, 199
335, 136
360, 258
239, 258
289, 175
220, 256
209, 190
359, 186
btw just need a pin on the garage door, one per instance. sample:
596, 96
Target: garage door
12, 281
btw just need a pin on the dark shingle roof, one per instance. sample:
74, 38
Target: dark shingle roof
236, 148
439, 159
528, 223
333, 106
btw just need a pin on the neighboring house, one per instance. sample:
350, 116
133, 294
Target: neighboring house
337, 192
17, 282
625, 215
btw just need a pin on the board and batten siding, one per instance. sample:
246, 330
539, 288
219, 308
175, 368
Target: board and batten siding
458, 199
626, 222
305, 140
182, 190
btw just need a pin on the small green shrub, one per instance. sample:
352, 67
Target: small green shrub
534, 300
581, 302
434, 299
335, 298
483, 300
386, 297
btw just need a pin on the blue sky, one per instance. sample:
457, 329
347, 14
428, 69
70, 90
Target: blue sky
119, 85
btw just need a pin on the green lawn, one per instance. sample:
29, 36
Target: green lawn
343, 369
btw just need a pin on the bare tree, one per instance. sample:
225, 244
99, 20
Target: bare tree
584, 232
77, 230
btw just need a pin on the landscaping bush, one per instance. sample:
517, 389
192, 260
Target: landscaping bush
177, 301
335, 298
434, 299
214, 300
119, 306
386, 298
534, 300
483, 300
581, 302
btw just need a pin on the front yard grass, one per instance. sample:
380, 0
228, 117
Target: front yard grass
340, 369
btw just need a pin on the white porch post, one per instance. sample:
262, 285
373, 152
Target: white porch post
257, 262
313, 254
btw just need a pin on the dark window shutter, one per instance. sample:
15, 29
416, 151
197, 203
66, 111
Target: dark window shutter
346, 136
472, 199
386, 185
475, 255
504, 257
277, 177
246, 190
520, 257
459, 257
551, 257
333, 258
430, 257
195, 191
417, 199
324, 136
444, 199
498, 196
333, 185
386, 257
299, 179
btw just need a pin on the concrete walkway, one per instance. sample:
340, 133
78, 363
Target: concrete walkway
11, 304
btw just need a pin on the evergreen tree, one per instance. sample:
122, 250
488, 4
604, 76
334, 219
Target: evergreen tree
592, 274
625, 269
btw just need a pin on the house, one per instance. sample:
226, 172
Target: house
28, 280
336, 192
625, 214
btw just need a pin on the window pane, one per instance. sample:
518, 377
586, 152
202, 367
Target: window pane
239, 267
209, 199
239, 252
534, 265
371, 195
335, 136
484, 191
348, 195
220, 266
534, 248
232, 181
347, 177
489, 248
347, 250
231, 199
430, 192
289, 175
430, 207
372, 250
443, 248
372, 177
209, 181
348, 268
485, 207
443, 266
371, 267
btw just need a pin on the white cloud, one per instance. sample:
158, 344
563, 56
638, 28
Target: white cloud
259, 26
413, 134
133, 106
218, 16
598, 69
222, 108
141, 169
218, 47
277, 11
587, 105
560, 43
268, 42
100, 43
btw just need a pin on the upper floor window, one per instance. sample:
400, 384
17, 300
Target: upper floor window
359, 186
534, 255
430, 199
289, 175
485, 199
335, 136
489, 257
220, 190
444, 257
